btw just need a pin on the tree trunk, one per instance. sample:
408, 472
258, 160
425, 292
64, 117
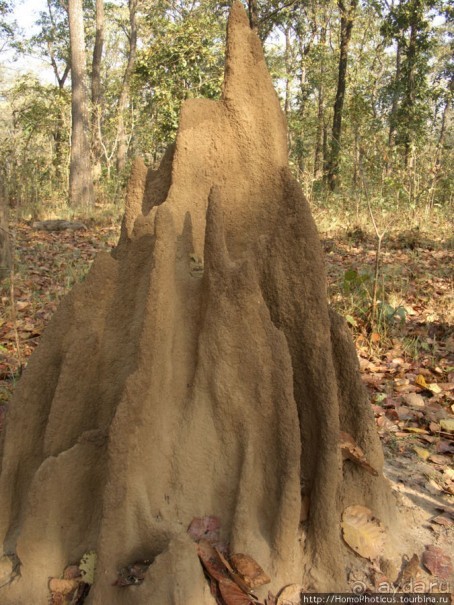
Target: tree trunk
253, 13
410, 86
61, 79
318, 170
5, 252
124, 94
347, 18
436, 169
395, 103
80, 177
96, 89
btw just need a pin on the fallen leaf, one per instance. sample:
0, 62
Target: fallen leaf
351, 451
71, 572
290, 595
207, 528
62, 586
232, 593
446, 386
445, 447
421, 381
439, 459
408, 572
363, 532
444, 519
434, 388
414, 400
413, 429
449, 473
422, 452
237, 578
271, 599
21, 305
447, 424
437, 562
211, 561
87, 566
249, 570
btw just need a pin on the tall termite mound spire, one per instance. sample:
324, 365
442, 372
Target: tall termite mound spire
196, 371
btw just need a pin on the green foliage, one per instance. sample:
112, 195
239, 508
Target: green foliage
394, 148
6, 27
183, 58
34, 121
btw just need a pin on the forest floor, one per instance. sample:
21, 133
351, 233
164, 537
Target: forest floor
406, 355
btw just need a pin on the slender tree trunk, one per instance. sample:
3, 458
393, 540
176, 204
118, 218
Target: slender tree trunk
253, 12
58, 132
287, 72
5, 251
436, 169
395, 102
318, 168
96, 89
124, 94
61, 79
80, 177
410, 87
347, 19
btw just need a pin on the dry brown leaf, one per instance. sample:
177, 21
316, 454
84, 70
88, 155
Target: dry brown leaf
71, 572
290, 595
62, 586
440, 459
437, 562
206, 528
237, 578
249, 570
213, 565
363, 532
232, 593
414, 400
444, 519
351, 451
445, 447
409, 571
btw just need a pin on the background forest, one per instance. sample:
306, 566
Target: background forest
366, 86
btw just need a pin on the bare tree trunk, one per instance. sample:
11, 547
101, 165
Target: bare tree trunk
347, 19
436, 169
61, 79
318, 169
410, 88
124, 94
96, 146
253, 12
80, 177
395, 103
5, 251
